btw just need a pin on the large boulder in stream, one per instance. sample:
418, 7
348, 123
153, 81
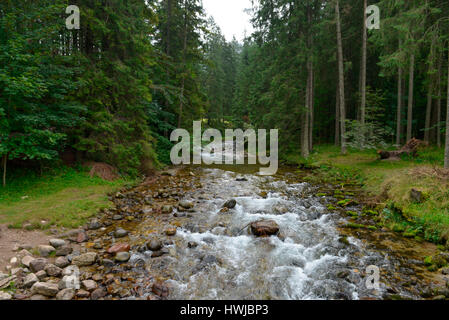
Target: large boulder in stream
264, 228
230, 204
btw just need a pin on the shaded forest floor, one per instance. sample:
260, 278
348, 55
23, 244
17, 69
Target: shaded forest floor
388, 186
61, 197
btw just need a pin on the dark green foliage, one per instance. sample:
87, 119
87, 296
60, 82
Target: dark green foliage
37, 85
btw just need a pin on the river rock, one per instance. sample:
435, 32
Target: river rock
160, 290
62, 262
122, 256
186, 204
154, 245
230, 204
94, 225
45, 288
66, 294
14, 262
167, 209
52, 270
41, 275
82, 236
89, 285
86, 259
38, 264
30, 280
27, 260
57, 243
120, 233
45, 250
170, 232
82, 294
5, 296
119, 247
19, 272
264, 228
64, 251
192, 244
107, 263
98, 294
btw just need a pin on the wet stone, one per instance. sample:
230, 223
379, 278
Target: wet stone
154, 245
120, 233
122, 256
264, 228
230, 204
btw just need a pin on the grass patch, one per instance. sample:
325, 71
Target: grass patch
392, 182
64, 197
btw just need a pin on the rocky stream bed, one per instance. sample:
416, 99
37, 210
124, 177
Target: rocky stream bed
215, 233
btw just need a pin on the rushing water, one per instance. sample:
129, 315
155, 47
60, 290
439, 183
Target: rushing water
213, 256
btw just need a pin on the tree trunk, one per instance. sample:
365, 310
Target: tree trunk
428, 113
446, 153
438, 121
168, 28
341, 80
305, 129
399, 111
4, 160
363, 71
337, 117
410, 97
305, 126
181, 102
312, 109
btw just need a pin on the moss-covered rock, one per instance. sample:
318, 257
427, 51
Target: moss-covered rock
352, 214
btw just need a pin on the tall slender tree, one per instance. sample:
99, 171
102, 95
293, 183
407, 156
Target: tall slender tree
446, 153
341, 79
363, 71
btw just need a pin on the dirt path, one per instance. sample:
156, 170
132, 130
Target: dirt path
11, 238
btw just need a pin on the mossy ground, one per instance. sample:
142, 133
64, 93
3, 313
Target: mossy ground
62, 197
390, 183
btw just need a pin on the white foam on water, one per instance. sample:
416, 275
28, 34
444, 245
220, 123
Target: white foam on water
300, 266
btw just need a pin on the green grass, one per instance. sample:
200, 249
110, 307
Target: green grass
391, 181
63, 197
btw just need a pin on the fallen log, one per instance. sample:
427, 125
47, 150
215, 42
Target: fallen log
410, 148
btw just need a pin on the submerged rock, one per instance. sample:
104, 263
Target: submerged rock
122, 256
120, 233
186, 204
119, 247
154, 245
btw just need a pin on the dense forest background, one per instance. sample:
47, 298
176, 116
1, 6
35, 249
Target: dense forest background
114, 90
